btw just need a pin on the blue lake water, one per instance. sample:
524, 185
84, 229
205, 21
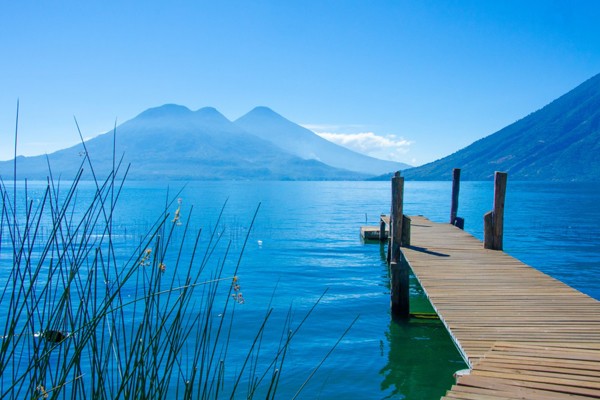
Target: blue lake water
305, 242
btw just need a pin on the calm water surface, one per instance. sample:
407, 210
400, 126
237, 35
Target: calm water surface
305, 242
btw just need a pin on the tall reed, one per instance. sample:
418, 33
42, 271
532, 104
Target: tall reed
83, 319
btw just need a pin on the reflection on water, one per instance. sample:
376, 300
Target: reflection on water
416, 348
420, 359
306, 240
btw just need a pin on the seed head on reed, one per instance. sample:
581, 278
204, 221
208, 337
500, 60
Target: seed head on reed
145, 261
74, 282
177, 218
41, 391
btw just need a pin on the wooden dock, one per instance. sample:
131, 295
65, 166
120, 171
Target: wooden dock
524, 334
376, 233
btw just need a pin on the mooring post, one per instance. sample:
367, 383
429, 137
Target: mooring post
381, 230
493, 221
488, 234
455, 190
405, 230
500, 180
396, 216
454, 219
399, 284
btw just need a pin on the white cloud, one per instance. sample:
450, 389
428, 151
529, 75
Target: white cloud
388, 147
334, 128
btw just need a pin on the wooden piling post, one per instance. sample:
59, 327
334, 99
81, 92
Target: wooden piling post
399, 283
405, 231
488, 234
493, 221
500, 180
396, 216
455, 190
381, 230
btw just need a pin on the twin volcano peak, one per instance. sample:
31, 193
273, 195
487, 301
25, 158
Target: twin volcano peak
173, 142
171, 110
263, 111
164, 111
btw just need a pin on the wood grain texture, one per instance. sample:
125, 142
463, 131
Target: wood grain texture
523, 333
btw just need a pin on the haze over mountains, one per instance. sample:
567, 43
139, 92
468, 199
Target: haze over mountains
559, 142
173, 142
268, 125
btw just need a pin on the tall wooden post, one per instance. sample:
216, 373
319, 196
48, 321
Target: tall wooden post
400, 289
406, 221
381, 230
396, 215
455, 190
488, 234
493, 221
399, 283
500, 180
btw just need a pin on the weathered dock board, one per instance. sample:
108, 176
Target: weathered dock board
524, 333
525, 371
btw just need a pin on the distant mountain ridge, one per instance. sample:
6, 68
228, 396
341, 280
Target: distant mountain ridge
268, 125
173, 142
560, 142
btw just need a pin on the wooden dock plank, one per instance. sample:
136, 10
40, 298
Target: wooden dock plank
523, 333
557, 371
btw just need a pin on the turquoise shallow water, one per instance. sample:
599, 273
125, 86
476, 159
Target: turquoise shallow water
305, 241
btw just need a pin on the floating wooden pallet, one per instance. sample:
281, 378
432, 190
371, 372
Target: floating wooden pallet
373, 233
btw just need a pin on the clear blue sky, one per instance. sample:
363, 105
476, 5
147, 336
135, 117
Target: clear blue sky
425, 77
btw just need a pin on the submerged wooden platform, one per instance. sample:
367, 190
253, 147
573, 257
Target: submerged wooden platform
373, 233
523, 333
